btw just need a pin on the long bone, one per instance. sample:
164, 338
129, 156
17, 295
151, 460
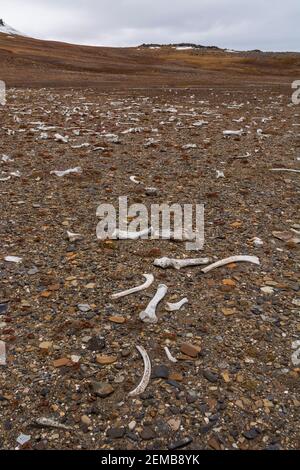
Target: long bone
149, 280
232, 259
149, 314
179, 263
147, 373
173, 307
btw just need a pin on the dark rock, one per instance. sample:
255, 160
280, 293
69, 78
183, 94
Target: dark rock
102, 389
182, 443
210, 376
96, 343
3, 308
253, 433
148, 433
115, 433
160, 372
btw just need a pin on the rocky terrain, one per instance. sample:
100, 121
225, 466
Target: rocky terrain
68, 357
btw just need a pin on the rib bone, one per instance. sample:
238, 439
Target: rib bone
149, 280
149, 314
176, 306
169, 355
147, 373
232, 259
179, 263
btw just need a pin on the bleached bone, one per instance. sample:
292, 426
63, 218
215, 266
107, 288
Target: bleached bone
149, 280
12, 259
285, 169
219, 174
232, 259
149, 314
134, 180
179, 263
233, 133
147, 373
61, 138
2, 353
169, 355
173, 307
73, 237
124, 235
51, 423
77, 169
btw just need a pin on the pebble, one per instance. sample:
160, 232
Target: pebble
106, 360
210, 376
190, 350
86, 420
160, 371
147, 433
182, 443
115, 433
102, 389
96, 343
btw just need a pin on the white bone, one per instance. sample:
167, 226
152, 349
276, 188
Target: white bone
147, 373
2, 353
124, 235
232, 259
134, 180
77, 169
12, 259
61, 138
169, 355
219, 174
176, 306
285, 169
74, 236
179, 263
149, 280
236, 133
149, 314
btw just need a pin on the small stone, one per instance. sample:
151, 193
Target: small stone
131, 425
174, 424
176, 376
182, 443
251, 434
84, 307
23, 439
106, 360
96, 343
210, 376
148, 433
86, 420
102, 389
228, 311
160, 371
267, 290
115, 433
117, 319
64, 361
45, 345
190, 350
3, 308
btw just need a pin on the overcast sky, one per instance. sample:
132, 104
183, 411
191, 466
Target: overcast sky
237, 24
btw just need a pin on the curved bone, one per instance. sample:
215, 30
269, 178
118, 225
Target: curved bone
147, 373
149, 280
179, 263
176, 306
134, 180
285, 169
232, 259
169, 355
149, 314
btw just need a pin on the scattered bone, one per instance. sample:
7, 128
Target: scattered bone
149, 280
169, 355
149, 314
189, 146
179, 263
6, 159
173, 307
51, 423
13, 259
77, 170
291, 170
134, 180
147, 373
2, 354
219, 174
296, 354
257, 242
232, 259
73, 237
61, 138
233, 133
125, 235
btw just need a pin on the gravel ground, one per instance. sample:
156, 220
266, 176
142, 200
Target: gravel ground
235, 384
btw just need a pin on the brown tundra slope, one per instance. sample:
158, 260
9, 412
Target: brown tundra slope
26, 62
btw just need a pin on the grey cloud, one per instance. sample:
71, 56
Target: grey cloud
239, 24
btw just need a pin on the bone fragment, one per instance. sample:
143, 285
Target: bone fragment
173, 307
149, 280
147, 373
232, 259
179, 263
149, 314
